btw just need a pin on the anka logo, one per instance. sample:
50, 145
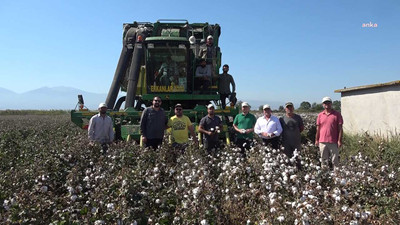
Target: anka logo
370, 24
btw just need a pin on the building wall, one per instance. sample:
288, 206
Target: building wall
374, 110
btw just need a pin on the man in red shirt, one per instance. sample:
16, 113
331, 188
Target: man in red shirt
329, 132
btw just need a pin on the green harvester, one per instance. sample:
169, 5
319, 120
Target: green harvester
144, 71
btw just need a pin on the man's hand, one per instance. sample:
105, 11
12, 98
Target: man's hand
144, 139
268, 135
339, 143
316, 143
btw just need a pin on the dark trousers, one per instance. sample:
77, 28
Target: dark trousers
104, 148
223, 99
244, 144
288, 150
154, 143
202, 85
211, 145
179, 146
273, 142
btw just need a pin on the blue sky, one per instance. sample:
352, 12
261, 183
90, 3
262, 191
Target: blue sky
277, 50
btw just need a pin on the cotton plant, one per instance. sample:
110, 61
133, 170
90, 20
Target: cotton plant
62, 179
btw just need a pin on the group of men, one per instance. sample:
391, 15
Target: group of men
273, 131
287, 130
206, 71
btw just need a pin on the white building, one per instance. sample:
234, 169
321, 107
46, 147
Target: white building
374, 109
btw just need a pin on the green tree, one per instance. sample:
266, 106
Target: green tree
336, 105
305, 105
261, 108
317, 107
281, 108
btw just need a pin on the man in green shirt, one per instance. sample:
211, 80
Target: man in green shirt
244, 125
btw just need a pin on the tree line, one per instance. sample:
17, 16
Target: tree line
315, 107
306, 106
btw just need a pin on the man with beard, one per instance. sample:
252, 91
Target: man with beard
101, 128
329, 132
153, 123
203, 76
292, 125
180, 125
210, 126
224, 89
268, 128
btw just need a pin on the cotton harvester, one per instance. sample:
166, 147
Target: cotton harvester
160, 59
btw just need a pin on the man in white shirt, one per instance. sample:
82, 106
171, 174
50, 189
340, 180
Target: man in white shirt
268, 128
101, 127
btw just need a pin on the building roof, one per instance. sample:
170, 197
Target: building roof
392, 83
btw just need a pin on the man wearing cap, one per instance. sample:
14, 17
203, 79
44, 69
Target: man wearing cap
225, 81
101, 127
329, 132
209, 53
244, 126
210, 126
268, 128
180, 125
153, 123
292, 125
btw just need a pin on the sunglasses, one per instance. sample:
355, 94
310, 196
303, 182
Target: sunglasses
157, 100
178, 109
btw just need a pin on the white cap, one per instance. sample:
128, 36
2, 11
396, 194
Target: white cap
192, 40
210, 105
266, 106
102, 105
326, 99
210, 37
245, 104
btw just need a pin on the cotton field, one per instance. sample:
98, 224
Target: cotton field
51, 175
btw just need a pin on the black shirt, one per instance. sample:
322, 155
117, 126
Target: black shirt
207, 123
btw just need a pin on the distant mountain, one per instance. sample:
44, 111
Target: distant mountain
46, 98
5, 91
66, 98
